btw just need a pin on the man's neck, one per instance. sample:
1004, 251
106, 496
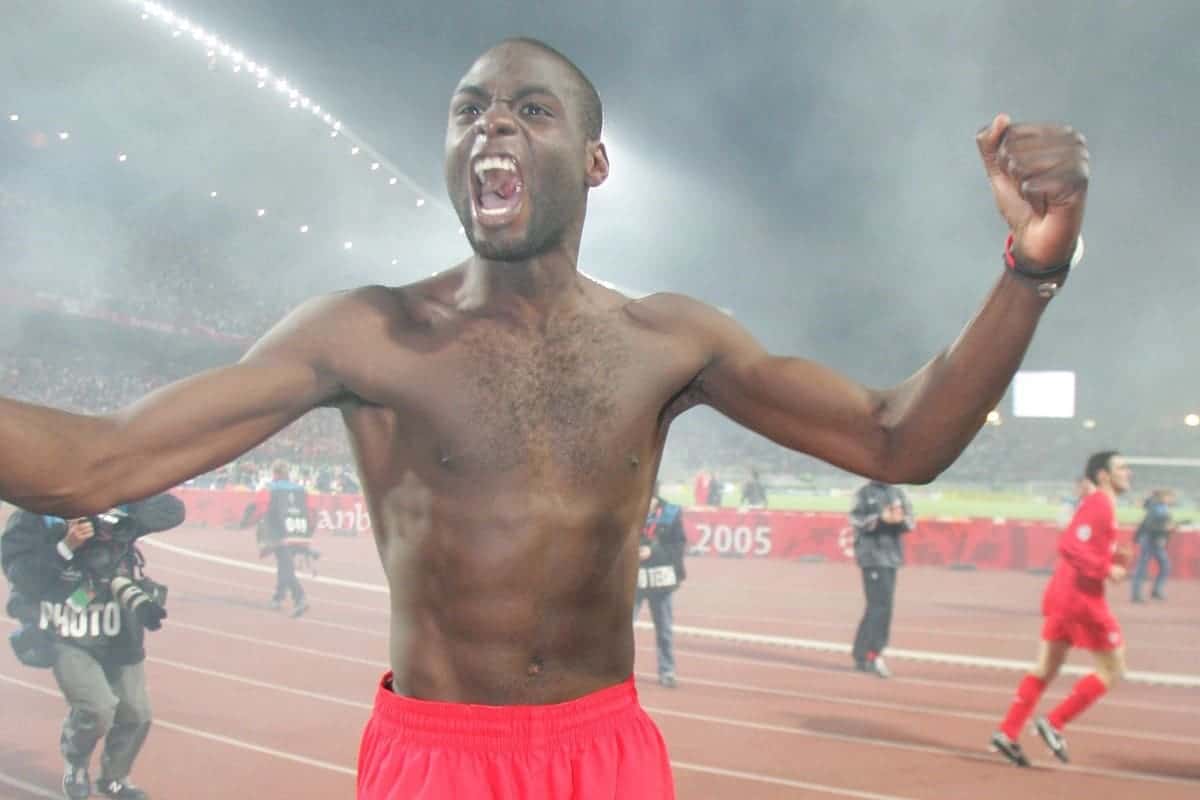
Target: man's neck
542, 283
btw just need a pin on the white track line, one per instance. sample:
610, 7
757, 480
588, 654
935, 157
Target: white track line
912, 748
259, 589
1032, 640
1014, 665
752, 776
215, 737
233, 562
924, 709
244, 745
1109, 702
36, 791
278, 687
258, 640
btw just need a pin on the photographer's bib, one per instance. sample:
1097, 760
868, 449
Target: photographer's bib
95, 624
657, 578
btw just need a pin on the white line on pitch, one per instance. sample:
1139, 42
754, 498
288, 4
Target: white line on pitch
36, 791
757, 778
923, 709
1109, 702
1134, 676
215, 737
913, 748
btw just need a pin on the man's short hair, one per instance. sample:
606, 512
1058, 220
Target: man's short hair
1097, 463
591, 109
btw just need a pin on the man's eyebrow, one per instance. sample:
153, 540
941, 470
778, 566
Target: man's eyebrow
469, 88
524, 91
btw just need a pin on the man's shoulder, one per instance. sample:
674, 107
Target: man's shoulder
666, 308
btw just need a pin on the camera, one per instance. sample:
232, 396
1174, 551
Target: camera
134, 599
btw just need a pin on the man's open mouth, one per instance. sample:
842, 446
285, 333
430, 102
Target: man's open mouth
497, 187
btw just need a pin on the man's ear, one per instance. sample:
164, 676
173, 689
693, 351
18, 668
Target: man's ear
597, 165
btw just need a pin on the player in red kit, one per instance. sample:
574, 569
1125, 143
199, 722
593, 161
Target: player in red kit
1076, 614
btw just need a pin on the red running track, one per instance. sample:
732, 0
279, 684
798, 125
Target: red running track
252, 704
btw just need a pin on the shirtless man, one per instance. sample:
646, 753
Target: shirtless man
508, 417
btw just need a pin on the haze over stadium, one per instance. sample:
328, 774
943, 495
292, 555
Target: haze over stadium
175, 178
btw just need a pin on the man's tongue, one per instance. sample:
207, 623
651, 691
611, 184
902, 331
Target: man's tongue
499, 190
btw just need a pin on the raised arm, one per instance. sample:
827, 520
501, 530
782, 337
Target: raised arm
70, 465
911, 432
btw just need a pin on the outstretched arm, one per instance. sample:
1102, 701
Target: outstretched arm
71, 465
911, 432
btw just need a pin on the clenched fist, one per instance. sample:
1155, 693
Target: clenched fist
1039, 174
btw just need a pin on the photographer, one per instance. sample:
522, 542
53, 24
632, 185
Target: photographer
882, 514
660, 571
84, 603
284, 529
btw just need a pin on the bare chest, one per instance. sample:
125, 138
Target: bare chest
578, 397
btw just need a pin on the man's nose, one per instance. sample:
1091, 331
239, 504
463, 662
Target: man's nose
497, 121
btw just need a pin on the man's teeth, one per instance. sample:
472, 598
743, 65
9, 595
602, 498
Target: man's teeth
494, 162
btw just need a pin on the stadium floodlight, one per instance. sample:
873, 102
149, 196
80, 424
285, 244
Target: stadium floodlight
122, 158
237, 67
212, 194
14, 117
347, 245
354, 150
333, 134
1192, 420
392, 181
64, 135
420, 202
1089, 424
395, 261
304, 229
262, 84
262, 212
176, 34
374, 166
293, 104
1049, 394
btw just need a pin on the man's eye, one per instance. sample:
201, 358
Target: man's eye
534, 110
468, 110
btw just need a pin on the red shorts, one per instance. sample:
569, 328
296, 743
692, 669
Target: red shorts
1083, 620
600, 747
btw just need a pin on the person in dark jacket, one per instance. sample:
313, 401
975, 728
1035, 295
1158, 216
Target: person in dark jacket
84, 603
285, 528
660, 573
881, 514
1151, 539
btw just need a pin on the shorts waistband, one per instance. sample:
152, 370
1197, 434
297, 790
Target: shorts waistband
466, 726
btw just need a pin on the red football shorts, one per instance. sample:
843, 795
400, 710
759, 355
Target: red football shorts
1083, 620
600, 747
